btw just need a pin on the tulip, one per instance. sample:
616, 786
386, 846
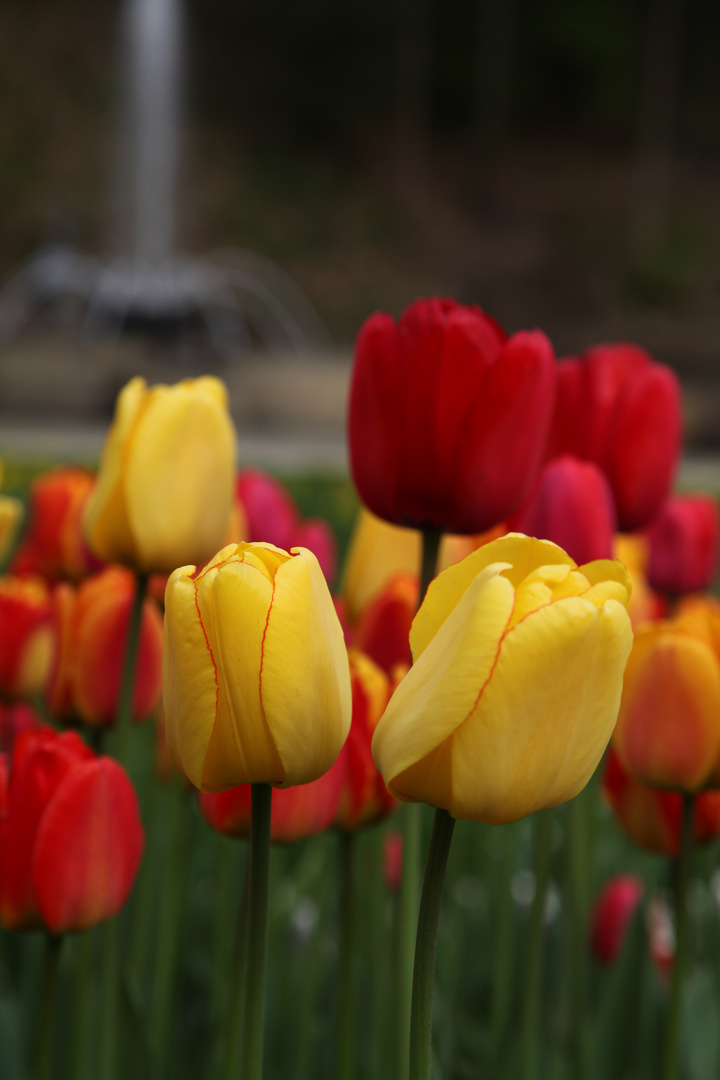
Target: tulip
70, 835
269, 509
364, 798
619, 408
645, 605
53, 544
15, 716
316, 535
572, 505
27, 640
92, 623
11, 513
683, 541
668, 730
653, 818
447, 417
515, 686
614, 907
383, 630
256, 684
164, 491
296, 813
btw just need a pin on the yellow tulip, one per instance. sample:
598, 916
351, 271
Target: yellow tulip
515, 687
11, 513
165, 488
256, 680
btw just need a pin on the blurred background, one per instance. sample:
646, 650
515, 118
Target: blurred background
555, 161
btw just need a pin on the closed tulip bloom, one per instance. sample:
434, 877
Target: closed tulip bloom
268, 507
645, 605
619, 408
92, 623
614, 907
296, 812
364, 799
572, 505
668, 730
70, 834
256, 685
652, 818
515, 686
316, 535
165, 487
382, 631
27, 637
447, 416
683, 541
53, 544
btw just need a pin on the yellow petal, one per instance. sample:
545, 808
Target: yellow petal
305, 681
542, 723
234, 601
105, 521
189, 678
442, 688
179, 477
11, 513
377, 552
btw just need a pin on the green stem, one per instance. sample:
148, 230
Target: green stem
123, 719
424, 971
411, 857
259, 874
48, 1008
81, 1005
110, 1001
683, 869
225, 891
542, 845
504, 942
168, 936
346, 1035
577, 875
236, 1007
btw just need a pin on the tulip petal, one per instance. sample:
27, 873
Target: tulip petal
442, 688
554, 693
190, 689
234, 606
88, 847
305, 677
179, 476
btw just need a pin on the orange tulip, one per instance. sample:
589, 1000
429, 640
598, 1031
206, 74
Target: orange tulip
92, 625
53, 544
27, 639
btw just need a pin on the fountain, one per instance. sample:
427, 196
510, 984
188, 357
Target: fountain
229, 301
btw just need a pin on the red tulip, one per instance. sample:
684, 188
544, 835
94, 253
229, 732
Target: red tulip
683, 542
316, 535
364, 799
651, 817
270, 512
70, 834
619, 408
614, 907
53, 544
383, 629
572, 505
93, 625
448, 418
27, 638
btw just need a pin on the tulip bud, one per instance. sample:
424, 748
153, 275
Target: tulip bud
645, 605
256, 685
668, 729
515, 686
383, 629
93, 622
53, 544
270, 511
165, 486
619, 408
317, 536
27, 641
683, 541
70, 836
614, 907
572, 505
447, 417
653, 818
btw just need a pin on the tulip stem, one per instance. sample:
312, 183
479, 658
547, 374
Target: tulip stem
683, 869
127, 684
48, 1008
110, 1001
236, 1008
82, 1002
346, 1036
425, 946
430, 549
542, 851
259, 871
